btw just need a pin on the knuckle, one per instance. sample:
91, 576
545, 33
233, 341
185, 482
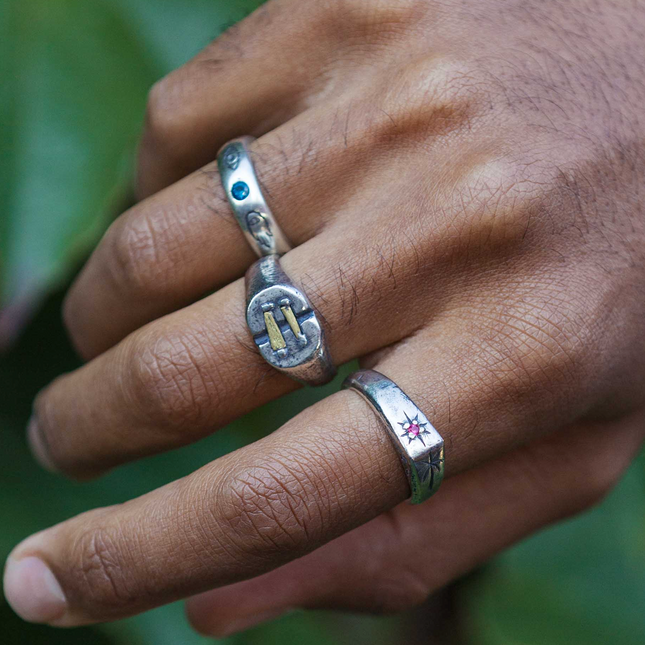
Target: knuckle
500, 203
555, 343
429, 97
273, 511
523, 199
139, 257
171, 381
568, 338
455, 81
538, 351
377, 18
164, 119
100, 577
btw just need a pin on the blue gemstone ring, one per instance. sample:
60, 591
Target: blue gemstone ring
247, 200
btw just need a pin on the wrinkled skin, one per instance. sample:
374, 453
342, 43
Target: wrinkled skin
463, 183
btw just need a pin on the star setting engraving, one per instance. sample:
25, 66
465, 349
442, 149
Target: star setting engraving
429, 466
413, 429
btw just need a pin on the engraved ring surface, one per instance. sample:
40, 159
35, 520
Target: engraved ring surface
247, 200
418, 444
281, 320
284, 325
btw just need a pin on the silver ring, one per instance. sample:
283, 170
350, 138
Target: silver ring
284, 325
247, 200
419, 445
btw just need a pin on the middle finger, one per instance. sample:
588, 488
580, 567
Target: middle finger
191, 372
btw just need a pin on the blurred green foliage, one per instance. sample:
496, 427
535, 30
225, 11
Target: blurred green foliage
74, 77
579, 583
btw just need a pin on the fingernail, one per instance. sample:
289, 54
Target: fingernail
32, 591
38, 447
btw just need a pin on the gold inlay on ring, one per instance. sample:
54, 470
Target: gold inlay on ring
275, 335
291, 319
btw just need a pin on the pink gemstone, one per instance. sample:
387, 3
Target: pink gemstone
414, 429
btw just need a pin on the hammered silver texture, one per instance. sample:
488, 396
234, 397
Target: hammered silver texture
284, 325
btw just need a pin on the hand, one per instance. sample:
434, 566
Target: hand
463, 184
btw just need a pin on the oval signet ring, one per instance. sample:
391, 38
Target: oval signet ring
284, 325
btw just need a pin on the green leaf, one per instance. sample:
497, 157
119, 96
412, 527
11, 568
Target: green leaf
581, 582
75, 77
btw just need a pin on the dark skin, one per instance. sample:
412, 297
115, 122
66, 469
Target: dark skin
463, 181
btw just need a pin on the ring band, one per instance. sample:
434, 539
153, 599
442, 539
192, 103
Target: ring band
419, 445
245, 196
284, 325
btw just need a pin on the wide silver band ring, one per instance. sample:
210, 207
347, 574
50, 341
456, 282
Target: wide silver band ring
245, 196
415, 439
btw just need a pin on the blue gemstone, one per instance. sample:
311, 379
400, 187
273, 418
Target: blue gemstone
240, 190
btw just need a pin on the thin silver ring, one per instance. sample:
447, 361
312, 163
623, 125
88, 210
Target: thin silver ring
418, 444
284, 325
245, 196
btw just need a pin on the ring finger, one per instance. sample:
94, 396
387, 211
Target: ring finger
175, 246
183, 376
